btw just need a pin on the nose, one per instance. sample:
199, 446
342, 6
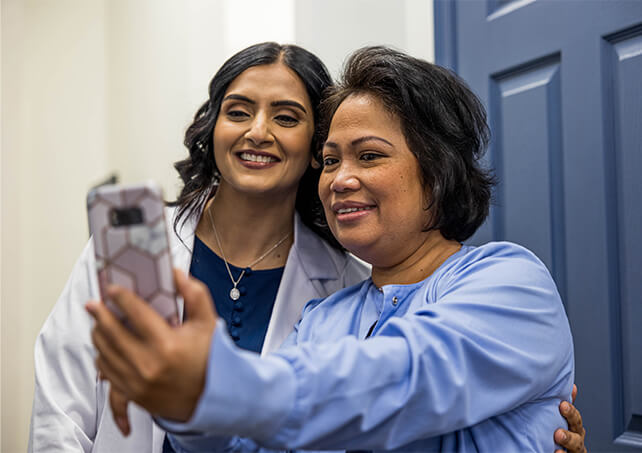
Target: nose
259, 132
345, 179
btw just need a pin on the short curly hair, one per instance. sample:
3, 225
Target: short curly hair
443, 122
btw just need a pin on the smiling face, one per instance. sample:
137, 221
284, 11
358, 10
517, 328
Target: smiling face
263, 132
371, 185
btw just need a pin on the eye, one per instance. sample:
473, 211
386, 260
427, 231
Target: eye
368, 156
237, 115
286, 120
329, 161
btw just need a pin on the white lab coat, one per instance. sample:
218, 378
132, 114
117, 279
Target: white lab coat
71, 410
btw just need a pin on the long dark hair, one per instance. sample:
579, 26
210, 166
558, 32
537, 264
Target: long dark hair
199, 171
444, 124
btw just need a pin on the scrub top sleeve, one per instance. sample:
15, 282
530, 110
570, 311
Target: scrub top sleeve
244, 394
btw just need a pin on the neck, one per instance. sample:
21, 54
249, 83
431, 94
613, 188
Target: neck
248, 227
419, 263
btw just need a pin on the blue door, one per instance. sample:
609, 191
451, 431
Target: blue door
562, 82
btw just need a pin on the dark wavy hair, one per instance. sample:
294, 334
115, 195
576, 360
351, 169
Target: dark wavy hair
443, 122
199, 172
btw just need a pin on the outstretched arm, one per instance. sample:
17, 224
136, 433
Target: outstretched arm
423, 357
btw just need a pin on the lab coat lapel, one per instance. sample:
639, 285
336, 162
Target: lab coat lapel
309, 261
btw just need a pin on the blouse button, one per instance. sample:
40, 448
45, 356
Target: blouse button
238, 306
395, 301
242, 290
236, 320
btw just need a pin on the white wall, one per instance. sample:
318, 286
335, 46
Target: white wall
53, 145
91, 87
333, 28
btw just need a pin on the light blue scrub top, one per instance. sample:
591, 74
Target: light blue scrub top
476, 357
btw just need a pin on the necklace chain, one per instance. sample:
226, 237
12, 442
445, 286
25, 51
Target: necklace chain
234, 292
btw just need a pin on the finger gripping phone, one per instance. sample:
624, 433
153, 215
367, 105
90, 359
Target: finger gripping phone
131, 245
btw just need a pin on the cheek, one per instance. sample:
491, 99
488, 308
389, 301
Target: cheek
406, 194
221, 139
297, 140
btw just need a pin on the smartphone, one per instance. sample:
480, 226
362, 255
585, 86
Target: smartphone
131, 245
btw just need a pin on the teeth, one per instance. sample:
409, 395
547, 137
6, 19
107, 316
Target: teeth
347, 210
256, 158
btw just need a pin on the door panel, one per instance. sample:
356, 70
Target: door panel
562, 82
528, 160
622, 92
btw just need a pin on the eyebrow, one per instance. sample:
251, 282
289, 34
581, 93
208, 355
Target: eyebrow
283, 103
360, 140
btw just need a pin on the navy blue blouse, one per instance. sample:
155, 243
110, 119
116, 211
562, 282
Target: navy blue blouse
247, 318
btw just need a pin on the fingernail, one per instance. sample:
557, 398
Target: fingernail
563, 437
565, 407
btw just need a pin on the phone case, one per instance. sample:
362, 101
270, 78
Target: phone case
131, 245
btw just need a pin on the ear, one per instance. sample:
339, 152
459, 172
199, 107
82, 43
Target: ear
314, 163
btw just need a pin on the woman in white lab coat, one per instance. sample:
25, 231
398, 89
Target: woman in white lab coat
252, 145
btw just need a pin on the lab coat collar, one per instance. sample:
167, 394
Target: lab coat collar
317, 263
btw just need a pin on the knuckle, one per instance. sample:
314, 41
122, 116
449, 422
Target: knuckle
149, 372
575, 443
200, 289
153, 368
167, 350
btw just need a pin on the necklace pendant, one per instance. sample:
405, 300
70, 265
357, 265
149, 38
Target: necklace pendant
235, 293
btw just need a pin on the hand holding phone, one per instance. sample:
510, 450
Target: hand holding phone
131, 245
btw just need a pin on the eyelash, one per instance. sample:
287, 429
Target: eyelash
366, 157
284, 120
237, 114
287, 120
371, 154
327, 164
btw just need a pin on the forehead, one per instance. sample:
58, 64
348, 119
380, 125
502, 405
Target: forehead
274, 81
365, 114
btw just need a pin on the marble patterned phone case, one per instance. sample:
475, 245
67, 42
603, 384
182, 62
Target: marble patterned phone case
131, 245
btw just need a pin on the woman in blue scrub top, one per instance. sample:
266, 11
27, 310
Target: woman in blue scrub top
446, 347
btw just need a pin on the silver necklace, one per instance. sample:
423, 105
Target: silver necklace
234, 292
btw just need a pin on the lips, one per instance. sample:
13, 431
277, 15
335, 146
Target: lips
348, 211
256, 159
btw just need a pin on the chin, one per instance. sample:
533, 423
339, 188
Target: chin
359, 247
264, 187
